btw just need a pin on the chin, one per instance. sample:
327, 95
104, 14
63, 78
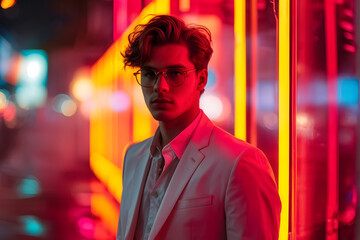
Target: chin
163, 116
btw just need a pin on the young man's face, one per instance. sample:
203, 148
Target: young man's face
173, 103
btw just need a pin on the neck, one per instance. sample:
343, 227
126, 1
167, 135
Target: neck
170, 129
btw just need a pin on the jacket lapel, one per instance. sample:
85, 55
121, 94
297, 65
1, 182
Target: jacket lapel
188, 163
137, 184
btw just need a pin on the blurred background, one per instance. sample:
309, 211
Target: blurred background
284, 76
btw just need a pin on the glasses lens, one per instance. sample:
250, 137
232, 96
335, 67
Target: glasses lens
175, 76
147, 77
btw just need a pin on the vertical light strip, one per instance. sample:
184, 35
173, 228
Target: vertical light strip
108, 173
120, 16
162, 6
240, 69
141, 117
106, 211
293, 109
357, 34
331, 67
284, 114
116, 8
254, 68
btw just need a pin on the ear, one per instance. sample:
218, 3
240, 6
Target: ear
202, 76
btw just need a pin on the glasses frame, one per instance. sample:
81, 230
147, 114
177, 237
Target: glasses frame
157, 73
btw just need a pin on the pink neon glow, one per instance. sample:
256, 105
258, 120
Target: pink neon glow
86, 227
119, 101
9, 112
331, 51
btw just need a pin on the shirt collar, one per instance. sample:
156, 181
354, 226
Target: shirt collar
177, 146
179, 143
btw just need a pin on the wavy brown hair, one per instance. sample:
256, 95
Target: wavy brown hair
165, 29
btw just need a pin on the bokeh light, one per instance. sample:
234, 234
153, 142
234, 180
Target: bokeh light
5, 4
305, 125
28, 187
269, 120
33, 67
82, 89
302, 120
31, 90
30, 96
119, 101
9, 115
3, 100
348, 92
32, 226
68, 108
9, 112
65, 105
86, 227
211, 81
212, 106
81, 85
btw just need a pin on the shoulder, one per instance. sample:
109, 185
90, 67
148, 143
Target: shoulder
138, 148
237, 152
135, 154
227, 143
136, 151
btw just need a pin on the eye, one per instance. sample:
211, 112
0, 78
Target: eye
174, 73
148, 73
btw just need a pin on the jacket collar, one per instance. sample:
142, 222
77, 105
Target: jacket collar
142, 168
188, 163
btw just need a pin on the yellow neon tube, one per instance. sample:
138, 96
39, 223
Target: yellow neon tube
102, 207
240, 69
108, 173
162, 6
284, 114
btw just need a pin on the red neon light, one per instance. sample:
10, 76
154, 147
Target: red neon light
253, 73
331, 65
120, 19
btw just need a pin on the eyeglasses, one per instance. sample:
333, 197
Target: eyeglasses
147, 77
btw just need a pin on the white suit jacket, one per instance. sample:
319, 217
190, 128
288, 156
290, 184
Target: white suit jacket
222, 188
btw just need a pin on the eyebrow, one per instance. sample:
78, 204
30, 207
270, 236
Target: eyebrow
170, 66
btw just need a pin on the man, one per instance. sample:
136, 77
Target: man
191, 180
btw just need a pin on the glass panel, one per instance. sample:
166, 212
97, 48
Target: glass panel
319, 123
267, 89
348, 100
312, 122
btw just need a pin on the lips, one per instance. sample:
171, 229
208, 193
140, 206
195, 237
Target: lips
160, 100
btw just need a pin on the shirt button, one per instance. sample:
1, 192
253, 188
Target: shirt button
148, 229
155, 194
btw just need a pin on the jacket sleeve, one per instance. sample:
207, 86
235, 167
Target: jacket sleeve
121, 228
252, 202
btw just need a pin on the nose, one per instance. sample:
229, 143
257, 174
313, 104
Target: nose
161, 84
